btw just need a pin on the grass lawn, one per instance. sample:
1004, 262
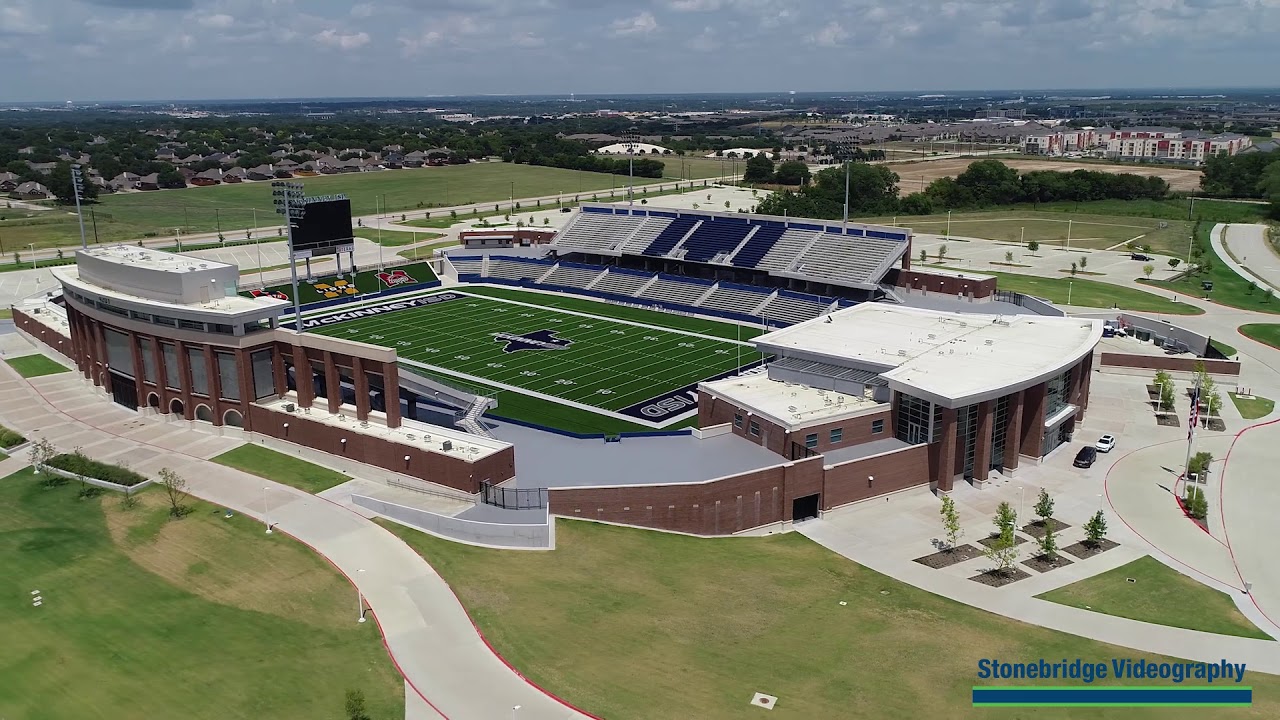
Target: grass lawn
628, 623
10, 438
1225, 349
1254, 407
592, 360
1050, 228
1161, 595
1088, 293
142, 617
1228, 288
128, 216
396, 238
29, 366
6, 314
1267, 333
282, 468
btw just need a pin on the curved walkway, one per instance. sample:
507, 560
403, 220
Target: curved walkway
1241, 241
427, 632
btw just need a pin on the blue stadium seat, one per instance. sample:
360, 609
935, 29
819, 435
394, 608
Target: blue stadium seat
714, 237
668, 238
759, 244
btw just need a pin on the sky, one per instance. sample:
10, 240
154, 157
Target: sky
95, 50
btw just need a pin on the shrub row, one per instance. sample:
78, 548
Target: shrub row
9, 438
81, 465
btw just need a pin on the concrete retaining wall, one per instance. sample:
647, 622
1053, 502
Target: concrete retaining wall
471, 532
95, 481
1169, 362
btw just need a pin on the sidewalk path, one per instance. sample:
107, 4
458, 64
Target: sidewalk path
1244, 242
426, 630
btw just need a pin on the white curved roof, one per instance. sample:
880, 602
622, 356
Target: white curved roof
640, 148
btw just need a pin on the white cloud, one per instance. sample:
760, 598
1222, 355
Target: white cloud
450, 30
831, 35
641, 24
17, 20
220, 21
349, 41
694, 5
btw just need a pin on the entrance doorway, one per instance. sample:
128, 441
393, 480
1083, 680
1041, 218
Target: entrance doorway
805, 508
124, 391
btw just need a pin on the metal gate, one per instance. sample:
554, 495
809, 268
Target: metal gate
513, 498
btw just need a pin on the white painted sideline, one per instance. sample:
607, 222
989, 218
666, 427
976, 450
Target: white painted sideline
471, 532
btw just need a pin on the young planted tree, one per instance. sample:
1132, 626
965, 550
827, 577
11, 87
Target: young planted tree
1084, 262
1166, 397
1048, 543
1044, 507
1095, 529
175, 488
924, 256
1074, 269
354, 705
1005, 518
42, 451
942, 252
1197, 504
1008, 256
1003, 549
1033, 246
1173, 263
1148, 269
950, 522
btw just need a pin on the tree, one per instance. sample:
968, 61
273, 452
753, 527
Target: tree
1197, 504
942, 252
1095, 529
1008, 256
1003, 548
1148, 269
924, 256
1084, 262
1166, 396
170, 178
1033, 246
354, 705
792, 172
60, 184
1173, 263
42, 451
990, 182
175, 488
1005, 518
950, 522
726, 205
1074, 269
759, 169
1048, 542
1044, 507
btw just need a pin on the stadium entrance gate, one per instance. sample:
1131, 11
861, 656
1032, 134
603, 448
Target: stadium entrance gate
805, 508
124, 391
513, 498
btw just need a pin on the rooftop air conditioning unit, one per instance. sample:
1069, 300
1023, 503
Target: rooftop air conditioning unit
446, 446
902, 353
289, 407
989, 343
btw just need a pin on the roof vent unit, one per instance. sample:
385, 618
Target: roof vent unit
446, 446
989, 343
932, 336
902, 353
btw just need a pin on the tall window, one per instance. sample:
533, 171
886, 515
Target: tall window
264, 380
1056, 394
228, 377
199, 371
147, 347
919, 421
119, 352
172, 377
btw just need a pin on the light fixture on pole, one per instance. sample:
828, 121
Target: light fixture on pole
266, 509
33, 255
288, 199
359, 597
631, 165
1020, 504
1068, 292
514, 709
77, 186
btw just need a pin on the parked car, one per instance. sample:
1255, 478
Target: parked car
1140, 256
566, 209
1105, 443
1086, 457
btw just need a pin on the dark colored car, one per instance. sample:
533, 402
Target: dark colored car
566, 209
1085, 457
1140, 256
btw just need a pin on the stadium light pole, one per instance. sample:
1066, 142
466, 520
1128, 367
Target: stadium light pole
287, 197
631, 166
77, 186
380, 214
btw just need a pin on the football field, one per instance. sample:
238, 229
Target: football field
625, 369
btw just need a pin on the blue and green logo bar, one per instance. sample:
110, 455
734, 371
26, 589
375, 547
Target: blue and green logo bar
1083, 696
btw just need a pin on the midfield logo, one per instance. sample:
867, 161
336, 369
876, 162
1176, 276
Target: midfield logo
395, 277
539, 340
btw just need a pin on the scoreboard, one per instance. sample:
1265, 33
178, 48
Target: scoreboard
325, 227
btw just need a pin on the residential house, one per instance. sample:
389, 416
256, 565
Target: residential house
187, 174
31, 191
98, 140
166, 155
393, 160
28, 150
439, 156
212, 176
43, 168
1264, 146
393, 149
287, 165
220, 157
191, 159
415, 159
261, 172
9, 182
148, 182
279, 154
124, 181
234, 175
358, 152
370, 164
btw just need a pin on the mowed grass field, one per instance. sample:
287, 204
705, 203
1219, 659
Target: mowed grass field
230, 208
631, 624
143, 617
604, 363
1169, 237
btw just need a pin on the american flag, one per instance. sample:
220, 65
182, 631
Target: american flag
1195, 412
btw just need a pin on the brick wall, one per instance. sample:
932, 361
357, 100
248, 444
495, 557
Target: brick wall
429, 466
1167, 362
847, 482
45, 334
857, 430
946, 284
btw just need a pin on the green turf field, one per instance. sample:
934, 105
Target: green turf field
201, 618
230, 208
593, 361
29, 366
330, 287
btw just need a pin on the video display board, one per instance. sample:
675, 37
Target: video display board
325, 228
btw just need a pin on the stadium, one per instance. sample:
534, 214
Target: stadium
684, 370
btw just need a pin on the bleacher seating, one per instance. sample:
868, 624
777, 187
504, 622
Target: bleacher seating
759, 245
671, 289
467, 265
671, 235
571, 275
791, 243
516, 268
728, 297
593, 232
713, 238
644, 236
795, 308
846, 259
621, 282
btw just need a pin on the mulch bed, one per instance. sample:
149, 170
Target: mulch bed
1217, 425
991, 541
1040, 563
1084, 550
1170, 420
947, 558
995, 578
1036, 529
